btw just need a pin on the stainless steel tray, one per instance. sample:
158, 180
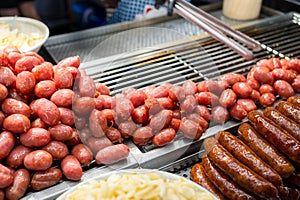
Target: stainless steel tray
176, 62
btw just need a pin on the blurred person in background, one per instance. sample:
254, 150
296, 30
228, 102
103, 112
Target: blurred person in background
23, 8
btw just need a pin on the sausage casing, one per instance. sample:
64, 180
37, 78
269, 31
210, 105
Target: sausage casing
227, 186
241, 174
276, 135
198, 176
265, 150
283, 121
289, 110
246, 156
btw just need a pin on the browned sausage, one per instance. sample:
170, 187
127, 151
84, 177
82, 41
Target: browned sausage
283, 121
71, 168
289, 110
7, 143
83, 153
19, 186
112, 154
198, 176
276, 135
16, 156
241, 174
265, 150
35, 137
246, 156
38, 160
164, 137
295, 100
127, 128
6, 176
224, 183
44, 179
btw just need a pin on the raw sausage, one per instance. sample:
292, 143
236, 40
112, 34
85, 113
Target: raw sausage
7, 143
38, 160
241, 174
265, 150
13, 106
276, 135
164, 137
6, 176
45, 179
19, 186
71, 168
112, 154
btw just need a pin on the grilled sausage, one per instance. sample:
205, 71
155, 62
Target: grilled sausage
295, 100
276, 135
224, 183
283, 121
241, 174
246, 156
265, 150
198, 176
289, 110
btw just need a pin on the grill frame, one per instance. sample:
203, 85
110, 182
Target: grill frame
179, 156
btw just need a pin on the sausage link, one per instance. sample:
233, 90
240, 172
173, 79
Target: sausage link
198, 176
19, 186
276, 135
71, 168
6, 176
246, 156
241, 174
283, 121
295, 100
112, 154
289, 110
265, 150
7, 143
45, 179
224, 183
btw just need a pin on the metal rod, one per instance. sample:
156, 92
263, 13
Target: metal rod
213, 31
243, 38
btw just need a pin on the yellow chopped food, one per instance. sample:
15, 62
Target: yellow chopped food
133, 186
13, 36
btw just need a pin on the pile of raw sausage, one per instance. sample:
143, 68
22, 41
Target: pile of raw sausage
261, 162
55, 119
